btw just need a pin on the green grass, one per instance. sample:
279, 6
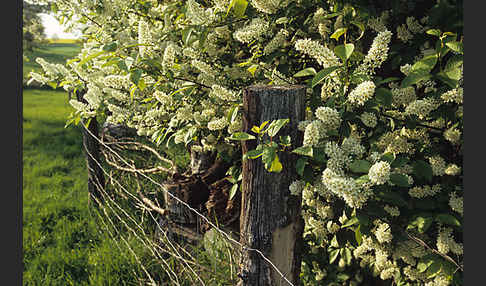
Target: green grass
62, 244
57, 52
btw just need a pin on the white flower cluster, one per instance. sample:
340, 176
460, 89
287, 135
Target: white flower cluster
204, 68
278, 78
369, 119
414, 25
144, 38
352, 146
424, 191
452, 170
329, 116
403, 96
453, 135
93, 96
393, 211
198, 15
379, 24
406, 69
422, 107
362, 93
257, 27
324, 56
383, 232
117, 82
163, 98
222, 93
456, 203
438, 165
82, 108
268, 6
218, 123
377, 54
395, 142
277, 42
403, 33
314, 131
168, 58
446, 243
345, 188
379, 173
454, 95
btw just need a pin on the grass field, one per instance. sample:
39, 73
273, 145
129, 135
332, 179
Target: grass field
62, 243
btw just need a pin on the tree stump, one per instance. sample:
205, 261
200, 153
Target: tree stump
270, 218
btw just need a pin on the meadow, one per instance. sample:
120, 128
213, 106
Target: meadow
62, 242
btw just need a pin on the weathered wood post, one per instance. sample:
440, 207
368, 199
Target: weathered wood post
270, 217
96, 179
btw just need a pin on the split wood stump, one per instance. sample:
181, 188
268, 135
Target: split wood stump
270, 218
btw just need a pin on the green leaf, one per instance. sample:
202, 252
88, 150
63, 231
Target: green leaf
400, 161
252, 69
333, 255
434, 32
110, 47
338, 33
304, 150
239, 7
386, 80
363, 179
322, 74
423, 264
135, 76
268, 156
434, 269
426, 64
388, 157
358, 235
399, 180
361, 27
306, 72
347, 255
276, 165
253, 154
344, 51
275, 126
360, 166
241, 136
448, 219
422, 223
233, 191
352, 221
456, 47
300, 165
186, 35
384, 96
414, 78
422, 169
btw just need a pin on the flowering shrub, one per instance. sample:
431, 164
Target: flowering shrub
380, 165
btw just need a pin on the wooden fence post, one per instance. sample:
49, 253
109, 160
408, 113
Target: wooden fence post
91, 146
270, 217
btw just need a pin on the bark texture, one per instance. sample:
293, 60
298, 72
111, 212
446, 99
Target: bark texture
270, 218
96, 178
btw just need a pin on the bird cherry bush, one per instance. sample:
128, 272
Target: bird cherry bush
380, 165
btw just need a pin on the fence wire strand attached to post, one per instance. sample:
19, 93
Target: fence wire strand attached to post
110, 206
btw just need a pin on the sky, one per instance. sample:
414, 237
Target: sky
52, 27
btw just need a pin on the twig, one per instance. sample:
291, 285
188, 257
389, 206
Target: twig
421, 242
